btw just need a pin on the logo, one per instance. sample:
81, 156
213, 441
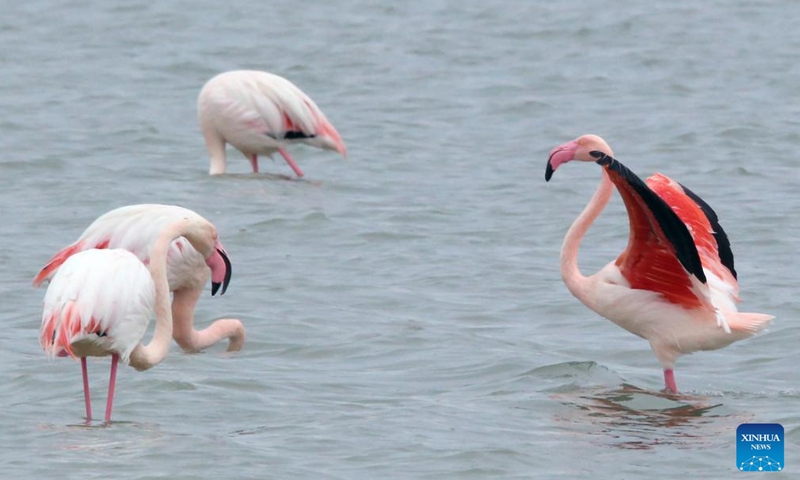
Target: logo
759, 447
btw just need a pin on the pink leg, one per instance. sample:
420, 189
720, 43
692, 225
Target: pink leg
112, 381
669, 380
87, 398
254, 162
290, 161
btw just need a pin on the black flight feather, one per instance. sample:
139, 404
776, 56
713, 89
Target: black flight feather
723, 244
673, 227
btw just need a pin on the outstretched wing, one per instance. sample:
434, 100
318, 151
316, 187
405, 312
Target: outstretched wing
661, 255
709, 237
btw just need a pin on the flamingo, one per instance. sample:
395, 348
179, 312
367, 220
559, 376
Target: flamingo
136, 228
675, 284
100, 302
260, 113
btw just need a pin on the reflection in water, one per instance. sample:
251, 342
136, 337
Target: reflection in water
106, 439
632, 418
271, 176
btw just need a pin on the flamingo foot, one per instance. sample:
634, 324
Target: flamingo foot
86, 394
290, 161
669, 380
112, 381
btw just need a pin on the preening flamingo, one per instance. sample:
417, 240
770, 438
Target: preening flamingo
136, 228
260, 113
100, 302
675, 284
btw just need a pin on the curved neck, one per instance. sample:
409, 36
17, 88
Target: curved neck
577, 283
144, 357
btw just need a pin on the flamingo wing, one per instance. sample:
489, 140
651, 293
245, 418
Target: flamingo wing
661, 255
710, 239
134, 228
105, 297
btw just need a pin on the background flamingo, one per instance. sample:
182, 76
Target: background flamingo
136, 228
675, 283
260, 113
100, 302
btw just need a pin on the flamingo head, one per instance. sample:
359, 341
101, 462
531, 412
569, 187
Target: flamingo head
579, 149
204, 238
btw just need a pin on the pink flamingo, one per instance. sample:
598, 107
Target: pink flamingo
674, 285
136, 228
260, 113
100, 302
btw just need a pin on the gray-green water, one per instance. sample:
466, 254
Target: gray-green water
404, 309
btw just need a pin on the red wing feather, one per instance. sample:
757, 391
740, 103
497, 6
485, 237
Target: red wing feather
699, 226
651, 261
55, 262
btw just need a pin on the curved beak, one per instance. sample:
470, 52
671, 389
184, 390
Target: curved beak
221, 269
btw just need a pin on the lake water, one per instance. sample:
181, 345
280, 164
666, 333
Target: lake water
404, 308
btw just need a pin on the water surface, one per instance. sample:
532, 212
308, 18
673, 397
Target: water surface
404, 309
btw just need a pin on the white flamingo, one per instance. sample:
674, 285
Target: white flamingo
259, 114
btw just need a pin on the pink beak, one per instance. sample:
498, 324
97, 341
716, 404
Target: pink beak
558, 156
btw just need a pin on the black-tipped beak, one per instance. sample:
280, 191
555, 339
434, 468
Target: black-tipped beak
548, 173
228, 270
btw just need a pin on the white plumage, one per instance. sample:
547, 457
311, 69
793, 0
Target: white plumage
259, 114
99, 302
136, 228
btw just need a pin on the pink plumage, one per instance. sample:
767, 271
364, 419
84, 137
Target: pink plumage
674, 284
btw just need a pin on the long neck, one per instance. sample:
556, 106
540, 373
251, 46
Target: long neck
144, 357
577, 283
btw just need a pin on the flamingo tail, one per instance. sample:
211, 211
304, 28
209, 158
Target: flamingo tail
750, 323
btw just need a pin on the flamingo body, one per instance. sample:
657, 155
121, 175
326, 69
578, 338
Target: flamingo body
136, 228
259, 114
674, 284
99, 303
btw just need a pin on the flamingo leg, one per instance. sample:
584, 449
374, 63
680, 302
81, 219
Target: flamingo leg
290, 161
111, 384
87, 398
254, 162
669, 380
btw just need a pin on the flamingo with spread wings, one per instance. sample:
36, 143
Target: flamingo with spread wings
100, 302
136, 228
675, 284
260, 113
